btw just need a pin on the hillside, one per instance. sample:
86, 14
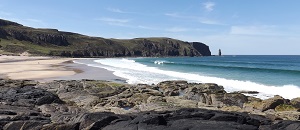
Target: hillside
16, 38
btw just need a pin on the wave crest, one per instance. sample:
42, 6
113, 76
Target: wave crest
162, 62
139, 73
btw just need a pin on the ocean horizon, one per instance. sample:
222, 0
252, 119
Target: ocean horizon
268, 74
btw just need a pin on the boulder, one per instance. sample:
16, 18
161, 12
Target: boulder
172, 88
60, 112
27, 96
212, 94
272, 103
264, 105
296, 102
83, 93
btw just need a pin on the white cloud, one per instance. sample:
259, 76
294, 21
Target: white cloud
210, 21
175, 15
177, 29
114, 21
195, 18
209, 6
254, 30
34, 20
147, 27
116, 10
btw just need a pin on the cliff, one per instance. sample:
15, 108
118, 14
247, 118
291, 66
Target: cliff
17, 38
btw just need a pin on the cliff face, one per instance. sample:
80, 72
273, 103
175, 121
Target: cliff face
202, 48
56, 43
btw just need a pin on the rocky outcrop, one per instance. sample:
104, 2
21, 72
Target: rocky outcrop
37, 37
296, 103
267, 104
91, 104
206, 94
6, 23
58, 43
202, 48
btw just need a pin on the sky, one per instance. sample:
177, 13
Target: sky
238, 27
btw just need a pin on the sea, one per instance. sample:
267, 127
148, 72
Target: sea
268, 74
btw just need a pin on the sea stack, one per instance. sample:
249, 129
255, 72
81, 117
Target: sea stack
220, 53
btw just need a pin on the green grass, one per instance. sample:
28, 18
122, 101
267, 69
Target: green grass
284, 107
30, 47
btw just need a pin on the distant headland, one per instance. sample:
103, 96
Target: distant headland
16, 38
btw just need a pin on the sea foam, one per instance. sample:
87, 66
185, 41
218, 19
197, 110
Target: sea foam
139, 73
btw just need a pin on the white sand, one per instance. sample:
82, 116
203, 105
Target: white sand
24, 67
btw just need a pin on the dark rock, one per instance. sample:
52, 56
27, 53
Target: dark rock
102, 122
190, 124
23, 125
149, 119
286, 125
6, 23
225, 117
246, 92
5, 112
200, 48
27, 105
61, 126
95, 120
27, 96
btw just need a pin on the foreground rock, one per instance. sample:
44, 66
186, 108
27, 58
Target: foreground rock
90, 104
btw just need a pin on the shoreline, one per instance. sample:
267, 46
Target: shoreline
45, 69
87, 72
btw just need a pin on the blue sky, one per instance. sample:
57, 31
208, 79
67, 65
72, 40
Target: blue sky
236, 26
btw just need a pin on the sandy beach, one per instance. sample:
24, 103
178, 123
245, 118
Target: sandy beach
48, 68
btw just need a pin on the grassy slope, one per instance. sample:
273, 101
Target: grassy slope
21, 38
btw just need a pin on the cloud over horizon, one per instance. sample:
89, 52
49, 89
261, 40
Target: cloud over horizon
209, 6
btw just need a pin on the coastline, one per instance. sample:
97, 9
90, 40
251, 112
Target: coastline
62, 95
45, 69
87, 72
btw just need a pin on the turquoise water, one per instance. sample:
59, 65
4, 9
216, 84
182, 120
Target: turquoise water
270, 75
268, 70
